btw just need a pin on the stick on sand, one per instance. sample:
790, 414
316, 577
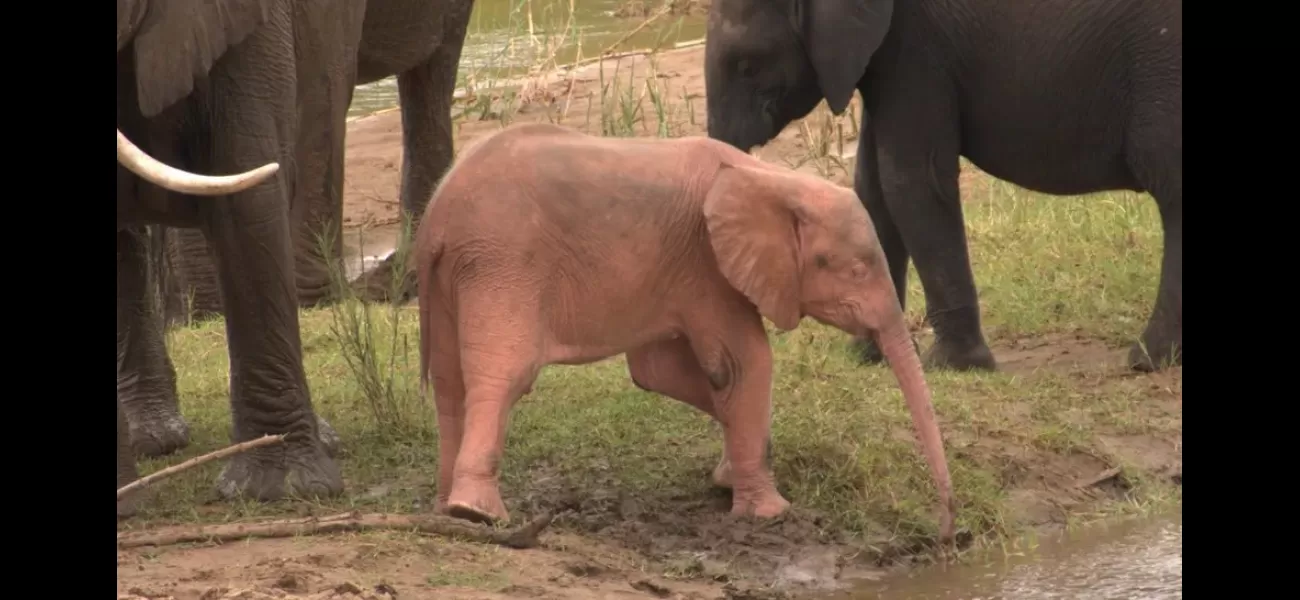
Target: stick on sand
151, 478
524, 536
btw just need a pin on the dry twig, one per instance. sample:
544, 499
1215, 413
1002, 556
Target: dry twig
524, 536
265, 440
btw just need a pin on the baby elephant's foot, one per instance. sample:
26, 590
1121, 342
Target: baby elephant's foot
478, 501
761, 501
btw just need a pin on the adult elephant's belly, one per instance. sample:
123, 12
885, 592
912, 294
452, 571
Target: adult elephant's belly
397, 36
1055, 143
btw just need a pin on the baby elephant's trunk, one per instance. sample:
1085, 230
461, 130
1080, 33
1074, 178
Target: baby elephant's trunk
896, 344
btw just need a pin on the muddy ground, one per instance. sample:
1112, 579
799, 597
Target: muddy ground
604, 544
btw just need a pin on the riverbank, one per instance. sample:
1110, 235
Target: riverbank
1063, 434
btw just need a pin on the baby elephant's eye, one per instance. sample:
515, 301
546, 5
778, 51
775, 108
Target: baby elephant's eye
859, 270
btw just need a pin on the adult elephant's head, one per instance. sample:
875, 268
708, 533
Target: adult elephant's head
769, 62
172, 44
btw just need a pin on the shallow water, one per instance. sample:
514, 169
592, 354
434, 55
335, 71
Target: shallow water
498, 44
1131, 561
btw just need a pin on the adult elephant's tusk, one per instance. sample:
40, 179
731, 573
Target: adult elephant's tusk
176, 180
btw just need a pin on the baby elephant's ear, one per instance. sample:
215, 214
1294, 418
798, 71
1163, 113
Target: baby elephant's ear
753, 232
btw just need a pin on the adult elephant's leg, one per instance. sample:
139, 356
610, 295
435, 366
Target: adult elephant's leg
917, 149
326, 77
249, 235
1156, 157
425, 93
146, 381
171, 297
427, 144
866, 183
194, 276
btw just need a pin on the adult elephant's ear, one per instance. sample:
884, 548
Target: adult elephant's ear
753, 232
840, 37
178, 41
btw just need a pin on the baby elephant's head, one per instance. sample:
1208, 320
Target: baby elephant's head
797, 245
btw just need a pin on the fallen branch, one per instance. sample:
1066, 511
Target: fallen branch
522, 537
151, 478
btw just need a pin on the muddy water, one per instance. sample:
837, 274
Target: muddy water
498, 44
1132, 561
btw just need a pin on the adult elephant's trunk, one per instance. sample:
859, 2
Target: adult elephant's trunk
896, 344
176, 180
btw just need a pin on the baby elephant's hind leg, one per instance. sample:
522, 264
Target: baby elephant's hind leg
494, 381
671, 368
449, 396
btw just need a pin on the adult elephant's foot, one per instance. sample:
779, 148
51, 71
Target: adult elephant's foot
945, 354
478, 500
329, 438
300, 468
382, 283
155, 425
126, 508
868, 353
159, 436
1156, 352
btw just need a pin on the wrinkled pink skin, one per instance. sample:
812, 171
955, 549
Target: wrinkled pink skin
667, 250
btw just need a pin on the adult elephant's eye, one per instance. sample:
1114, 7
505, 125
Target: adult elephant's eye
746, 68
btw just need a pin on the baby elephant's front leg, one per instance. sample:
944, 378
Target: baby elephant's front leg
742, 378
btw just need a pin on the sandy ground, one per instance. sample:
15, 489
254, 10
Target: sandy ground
638, 544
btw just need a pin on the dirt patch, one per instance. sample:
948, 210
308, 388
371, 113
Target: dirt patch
390, 566
1057, 352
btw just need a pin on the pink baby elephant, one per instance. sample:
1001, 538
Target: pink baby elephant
547, 246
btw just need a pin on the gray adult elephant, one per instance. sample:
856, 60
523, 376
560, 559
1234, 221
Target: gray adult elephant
219, 86
1058, 96
418, 40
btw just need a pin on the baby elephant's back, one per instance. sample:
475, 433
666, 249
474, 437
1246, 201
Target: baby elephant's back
550, 176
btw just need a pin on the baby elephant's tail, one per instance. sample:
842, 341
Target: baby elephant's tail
429, 250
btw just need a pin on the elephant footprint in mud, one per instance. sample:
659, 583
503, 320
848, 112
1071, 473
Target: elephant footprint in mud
553, 262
